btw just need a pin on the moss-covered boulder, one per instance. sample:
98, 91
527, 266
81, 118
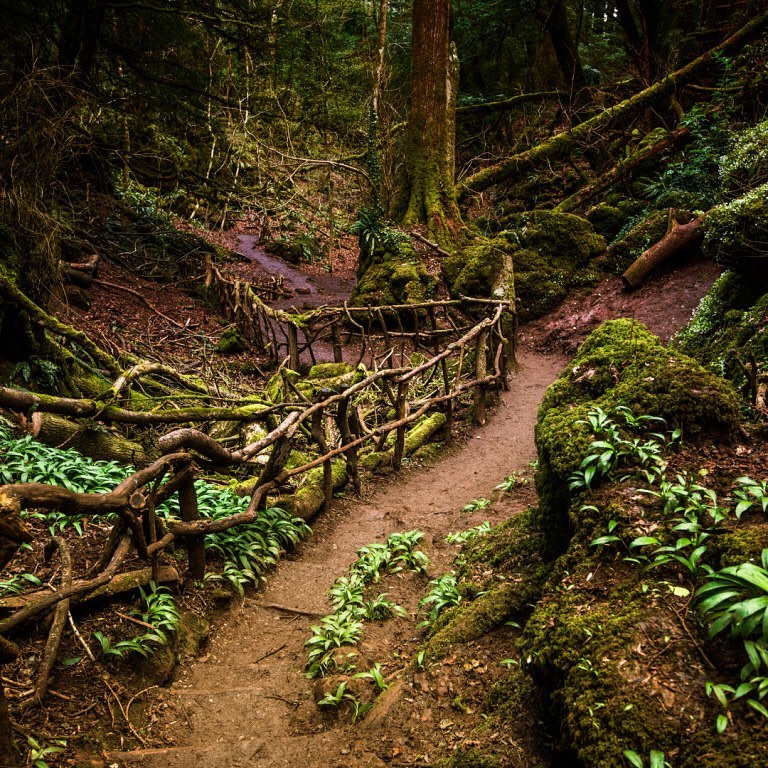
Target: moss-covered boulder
549, 252
393, 276
231, 342
728, 328
620, 363
735, 234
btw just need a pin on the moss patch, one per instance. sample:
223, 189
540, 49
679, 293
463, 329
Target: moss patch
231, 342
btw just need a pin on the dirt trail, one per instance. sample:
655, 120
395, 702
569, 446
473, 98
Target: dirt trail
248, 703
242, 703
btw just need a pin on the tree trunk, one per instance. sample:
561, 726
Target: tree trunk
567, 53
431, 136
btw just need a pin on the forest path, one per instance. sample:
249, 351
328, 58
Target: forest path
242, 703
248, 702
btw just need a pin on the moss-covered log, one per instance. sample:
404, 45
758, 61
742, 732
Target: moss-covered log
415, 438
309, 499
563, 143
95, 443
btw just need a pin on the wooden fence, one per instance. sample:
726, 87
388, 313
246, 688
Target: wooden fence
337, 420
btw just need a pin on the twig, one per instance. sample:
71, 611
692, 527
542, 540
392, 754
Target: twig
270, 653
76, 633
135, 733
434, 246
297, 611
148, 303
135, 620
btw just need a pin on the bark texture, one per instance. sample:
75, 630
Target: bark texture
431, 134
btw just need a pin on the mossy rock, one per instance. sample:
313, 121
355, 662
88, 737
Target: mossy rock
393, 278
620, 363
329, 370
231, 342
607, 220
728, 326
735, 234
551, 253
483, 269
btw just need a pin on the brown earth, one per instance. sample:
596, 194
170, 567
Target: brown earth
248, 702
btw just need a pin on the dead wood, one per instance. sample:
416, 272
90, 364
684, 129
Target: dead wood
677, 238
563, 143
507, 104
149, 304
57, 627
22, 400
621, 170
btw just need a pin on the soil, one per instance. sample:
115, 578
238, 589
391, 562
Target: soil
247, 701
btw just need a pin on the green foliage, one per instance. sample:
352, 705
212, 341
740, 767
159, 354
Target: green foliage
736, 599
655, 759
475, 505
693, 181
19, 583
39, 751
347, 596
745, 164
375, 234
159, 610
38, 369
443, 593
247, 551
461, 537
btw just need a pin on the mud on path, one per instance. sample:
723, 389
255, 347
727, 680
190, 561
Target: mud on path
248, 703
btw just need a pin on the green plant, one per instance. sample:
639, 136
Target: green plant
510, 482
461, 537
443, 594
655, 759
44, 371
750, 493
39, 751
736, 598
375, 235
18, 583
160, 612
374, 675
476, 504
347, 596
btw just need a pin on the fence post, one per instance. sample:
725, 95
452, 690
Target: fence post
401, 407
342, 419
338, 354
317, 428
446, 378
293, 347
195, 544
481, 371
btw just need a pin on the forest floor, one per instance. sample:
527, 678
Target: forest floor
247, 701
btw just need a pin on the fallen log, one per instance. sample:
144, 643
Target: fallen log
678, 236
562, 143
621, 170
510, 103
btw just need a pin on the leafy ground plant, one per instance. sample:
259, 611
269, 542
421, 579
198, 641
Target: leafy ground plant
344, 626
443, 594
160, 612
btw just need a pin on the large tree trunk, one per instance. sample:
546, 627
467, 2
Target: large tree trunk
567, 53
431, 134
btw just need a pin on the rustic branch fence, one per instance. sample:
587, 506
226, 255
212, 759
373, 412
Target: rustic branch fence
367, 406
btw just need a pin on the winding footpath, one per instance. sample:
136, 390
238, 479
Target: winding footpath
233, 707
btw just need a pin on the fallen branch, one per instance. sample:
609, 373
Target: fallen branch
562, 143
621, 170
510, 103
57, 627
149, 304
679, 236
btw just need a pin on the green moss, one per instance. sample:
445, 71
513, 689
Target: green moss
553, 252
393, 278
741, 545
735, 233
620, 363
470, 757
644, 234
329, 370
607, 220
729, 326
231, 342
483, 269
